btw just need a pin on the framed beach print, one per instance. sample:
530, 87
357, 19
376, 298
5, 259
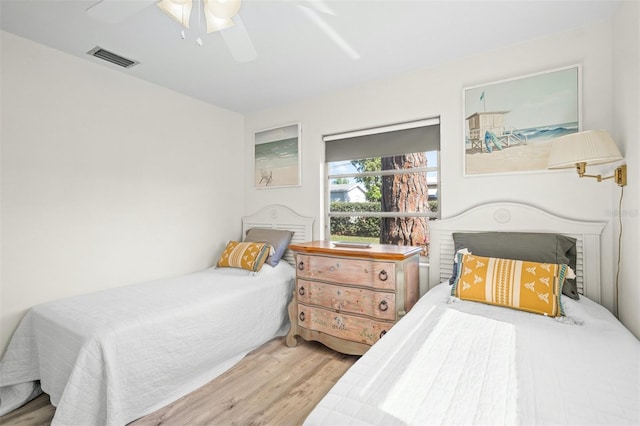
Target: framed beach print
509, 124
277, 156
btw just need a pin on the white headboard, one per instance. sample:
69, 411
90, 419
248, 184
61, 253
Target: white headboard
516, 217
276, 216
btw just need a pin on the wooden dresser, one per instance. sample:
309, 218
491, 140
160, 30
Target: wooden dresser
348, 298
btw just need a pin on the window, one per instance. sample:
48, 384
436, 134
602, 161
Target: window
383, 184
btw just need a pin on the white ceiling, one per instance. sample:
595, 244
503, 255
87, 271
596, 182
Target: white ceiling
296, 58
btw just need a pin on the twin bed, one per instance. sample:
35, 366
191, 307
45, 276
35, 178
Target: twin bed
453, 361
111, 357
114, 356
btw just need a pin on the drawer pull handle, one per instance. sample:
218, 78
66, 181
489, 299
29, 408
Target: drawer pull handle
383, 275
301, 316
383, 306
301, 291
382, 333
301, 265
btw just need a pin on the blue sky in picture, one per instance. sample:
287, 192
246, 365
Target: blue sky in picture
541, 100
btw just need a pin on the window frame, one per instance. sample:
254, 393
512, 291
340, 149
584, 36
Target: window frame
330, 177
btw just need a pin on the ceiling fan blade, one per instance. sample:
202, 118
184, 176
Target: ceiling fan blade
319, 6
238, 41
330, 32
115, 11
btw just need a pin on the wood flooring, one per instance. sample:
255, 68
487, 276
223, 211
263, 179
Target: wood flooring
273, 385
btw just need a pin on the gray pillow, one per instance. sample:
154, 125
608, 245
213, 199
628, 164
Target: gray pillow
278, 239
531, 246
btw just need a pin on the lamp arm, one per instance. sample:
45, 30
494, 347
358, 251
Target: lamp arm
599, 177
619, 175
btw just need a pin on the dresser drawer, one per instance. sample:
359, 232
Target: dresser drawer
347, 299
349, 327
347, 271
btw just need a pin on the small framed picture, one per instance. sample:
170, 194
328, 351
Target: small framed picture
277, 157
509, 124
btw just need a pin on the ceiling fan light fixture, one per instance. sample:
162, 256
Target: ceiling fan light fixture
179, 10
224, 9
215, 23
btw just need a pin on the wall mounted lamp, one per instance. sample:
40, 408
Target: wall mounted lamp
587, 148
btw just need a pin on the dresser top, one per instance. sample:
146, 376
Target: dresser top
375, 251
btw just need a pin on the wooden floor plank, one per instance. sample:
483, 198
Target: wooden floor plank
249, 409
272, 385
299, 400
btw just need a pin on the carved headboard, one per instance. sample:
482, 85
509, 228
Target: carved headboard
276, 216
517, 217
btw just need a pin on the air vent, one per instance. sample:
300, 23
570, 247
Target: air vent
105, 55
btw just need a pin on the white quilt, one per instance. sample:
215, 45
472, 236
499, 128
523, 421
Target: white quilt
461, 363
114, 356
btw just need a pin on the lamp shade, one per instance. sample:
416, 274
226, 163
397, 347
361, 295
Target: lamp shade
215, 23
179, 10
223, 9
590, 147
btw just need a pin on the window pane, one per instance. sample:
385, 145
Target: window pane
407, 193
341, 168
432, 185
351, 198
355, 228
432, 159
398, 162
385, 230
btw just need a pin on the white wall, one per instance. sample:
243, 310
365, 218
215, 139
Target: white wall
438, 92
626, 131
106, 180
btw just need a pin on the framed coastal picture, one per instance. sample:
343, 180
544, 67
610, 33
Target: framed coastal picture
509, 124
277, 156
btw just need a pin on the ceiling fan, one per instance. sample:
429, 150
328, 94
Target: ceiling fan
220, 15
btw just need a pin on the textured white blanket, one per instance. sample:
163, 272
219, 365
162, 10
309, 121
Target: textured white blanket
456, 362
114, 356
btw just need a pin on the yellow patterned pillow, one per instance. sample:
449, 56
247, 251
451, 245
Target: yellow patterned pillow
528, 286
250, 256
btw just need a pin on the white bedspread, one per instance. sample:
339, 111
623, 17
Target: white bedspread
456, 362
114, 356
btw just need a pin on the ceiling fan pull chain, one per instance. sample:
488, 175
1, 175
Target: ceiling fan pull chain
182, 33
199, 39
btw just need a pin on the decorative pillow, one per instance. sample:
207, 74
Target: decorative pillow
533, 246
250, 256
278, 239
519, 284
454, 273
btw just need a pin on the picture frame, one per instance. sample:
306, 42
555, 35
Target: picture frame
509, 124
276, 154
